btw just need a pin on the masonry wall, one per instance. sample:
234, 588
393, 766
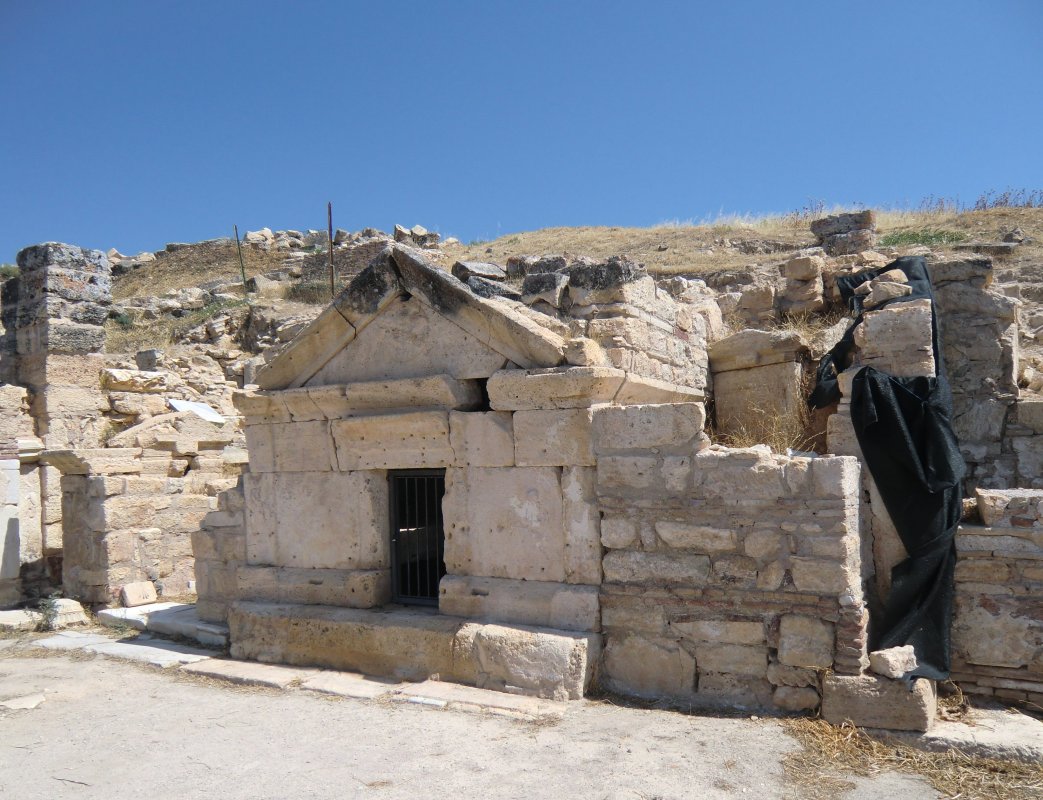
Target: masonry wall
731, 576
129, 512
998, 622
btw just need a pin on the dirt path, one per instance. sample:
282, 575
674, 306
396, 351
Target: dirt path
110, 729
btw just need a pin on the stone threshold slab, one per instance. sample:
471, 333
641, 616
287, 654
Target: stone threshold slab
250, 673
467, 698
998, 733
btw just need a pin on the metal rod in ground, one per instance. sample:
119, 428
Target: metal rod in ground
242, 266
329, 228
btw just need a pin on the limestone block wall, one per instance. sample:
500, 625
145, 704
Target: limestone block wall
642, 329
129, 514
219, 549
998, 621
522, 539
731, 576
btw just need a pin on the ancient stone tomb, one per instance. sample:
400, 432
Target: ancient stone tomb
447, 481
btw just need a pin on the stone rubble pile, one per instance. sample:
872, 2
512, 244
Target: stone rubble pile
846, 234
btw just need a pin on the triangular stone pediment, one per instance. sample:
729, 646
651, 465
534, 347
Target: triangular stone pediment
405, 317
409, 340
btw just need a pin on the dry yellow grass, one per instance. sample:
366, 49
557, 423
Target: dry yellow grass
817, 771
697, 248
192, 266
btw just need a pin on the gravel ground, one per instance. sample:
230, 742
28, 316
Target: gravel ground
111, 729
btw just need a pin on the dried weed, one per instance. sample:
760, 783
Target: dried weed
829, 751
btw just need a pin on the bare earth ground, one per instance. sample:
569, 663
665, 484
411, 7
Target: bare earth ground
110, 729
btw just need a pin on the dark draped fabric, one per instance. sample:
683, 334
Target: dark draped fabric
904, 427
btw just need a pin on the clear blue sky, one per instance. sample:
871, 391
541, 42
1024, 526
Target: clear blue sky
133, 124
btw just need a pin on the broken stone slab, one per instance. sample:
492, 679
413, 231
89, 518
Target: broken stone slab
560, 387
19, 620
882, 291
136, 618
185, 622
898, 339
464, 270
250, 673
65, 612
138, 593
483, 287
134, 380
870, 701
894, 662
637, 390
349, 684
520, 266
804, 268
550, 287
755, 348
836, 224
468, 698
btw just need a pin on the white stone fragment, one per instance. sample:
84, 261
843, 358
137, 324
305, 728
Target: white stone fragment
894, 662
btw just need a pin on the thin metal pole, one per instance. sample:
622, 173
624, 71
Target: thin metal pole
242, 266
329, 224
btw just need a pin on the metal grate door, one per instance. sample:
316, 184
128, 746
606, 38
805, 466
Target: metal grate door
417, 536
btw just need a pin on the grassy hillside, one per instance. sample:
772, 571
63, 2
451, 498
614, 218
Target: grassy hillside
676, 248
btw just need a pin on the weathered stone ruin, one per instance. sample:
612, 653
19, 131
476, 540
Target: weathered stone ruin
541, 477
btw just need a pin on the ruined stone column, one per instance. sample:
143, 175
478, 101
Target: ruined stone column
53, 314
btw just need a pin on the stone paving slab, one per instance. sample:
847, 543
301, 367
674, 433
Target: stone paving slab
350, 684
23, 703
250, 673
468, 698
157, 652
989, 733
71, 640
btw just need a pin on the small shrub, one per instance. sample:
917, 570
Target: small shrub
8, 271
48, 608
926, 236
123, 320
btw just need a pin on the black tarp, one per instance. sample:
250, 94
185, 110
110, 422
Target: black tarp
904, 427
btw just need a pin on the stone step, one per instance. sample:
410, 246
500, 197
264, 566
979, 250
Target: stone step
468, 698
414, 644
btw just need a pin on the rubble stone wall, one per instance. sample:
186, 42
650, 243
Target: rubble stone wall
998, 622
979, 335
731, 576
129, 512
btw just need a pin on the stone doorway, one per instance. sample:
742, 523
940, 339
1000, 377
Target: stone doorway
417, 535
